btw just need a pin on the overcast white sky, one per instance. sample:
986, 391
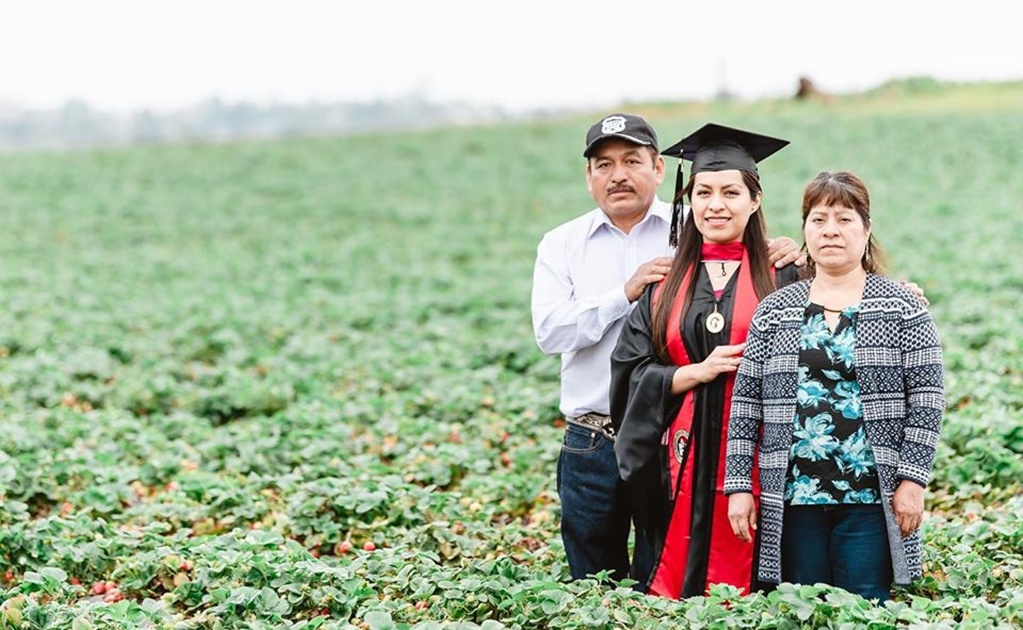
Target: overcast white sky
129, 54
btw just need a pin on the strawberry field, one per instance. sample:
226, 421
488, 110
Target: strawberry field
294, 384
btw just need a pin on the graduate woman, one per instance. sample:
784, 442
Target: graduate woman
674, 365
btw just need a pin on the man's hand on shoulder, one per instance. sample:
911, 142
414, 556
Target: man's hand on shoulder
650, 271
917, 291
782, 251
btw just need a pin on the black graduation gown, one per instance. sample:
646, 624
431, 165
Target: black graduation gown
641, 393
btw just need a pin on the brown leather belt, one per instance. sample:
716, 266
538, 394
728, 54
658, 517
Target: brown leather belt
596, 421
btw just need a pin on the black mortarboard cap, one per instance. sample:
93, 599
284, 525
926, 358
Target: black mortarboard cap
715, 147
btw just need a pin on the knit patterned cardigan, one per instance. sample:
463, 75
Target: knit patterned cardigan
899, 369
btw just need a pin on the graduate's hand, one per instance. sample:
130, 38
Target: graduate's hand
908, 505
782, 251
917, 291
722, 360
650, 271
742, 515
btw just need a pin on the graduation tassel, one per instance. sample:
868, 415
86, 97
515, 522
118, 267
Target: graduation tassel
676, 207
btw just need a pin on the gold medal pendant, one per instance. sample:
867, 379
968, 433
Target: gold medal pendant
715, 321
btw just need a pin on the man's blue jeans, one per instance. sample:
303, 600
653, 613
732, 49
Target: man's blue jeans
840, 545
596, 511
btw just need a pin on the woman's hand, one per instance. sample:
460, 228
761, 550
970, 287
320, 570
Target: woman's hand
722, 360
908, 505
742, 514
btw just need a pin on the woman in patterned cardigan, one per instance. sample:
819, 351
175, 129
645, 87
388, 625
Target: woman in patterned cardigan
840, 398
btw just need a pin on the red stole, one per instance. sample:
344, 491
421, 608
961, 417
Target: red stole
731, 560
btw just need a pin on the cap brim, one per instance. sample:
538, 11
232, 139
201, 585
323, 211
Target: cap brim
632, 139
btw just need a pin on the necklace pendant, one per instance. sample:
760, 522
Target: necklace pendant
715, 322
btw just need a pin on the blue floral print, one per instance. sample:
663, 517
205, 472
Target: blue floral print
806, 490
811, 393
830, 461
841, 347
815, 336
855, 456
814, 439
847, 400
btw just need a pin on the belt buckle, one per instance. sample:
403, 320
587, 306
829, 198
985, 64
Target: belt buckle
599, 422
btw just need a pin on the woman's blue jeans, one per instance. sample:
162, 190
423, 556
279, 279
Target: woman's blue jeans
840, 545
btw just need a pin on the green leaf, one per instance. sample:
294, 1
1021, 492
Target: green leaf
379, 620
55, 573
81, 623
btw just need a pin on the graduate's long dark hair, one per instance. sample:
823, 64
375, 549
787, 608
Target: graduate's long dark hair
687, 260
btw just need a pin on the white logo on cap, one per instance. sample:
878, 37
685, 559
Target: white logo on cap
612, 124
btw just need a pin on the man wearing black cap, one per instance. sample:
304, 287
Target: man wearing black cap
589, 272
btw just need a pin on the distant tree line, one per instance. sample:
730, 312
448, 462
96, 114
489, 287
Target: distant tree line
76, 124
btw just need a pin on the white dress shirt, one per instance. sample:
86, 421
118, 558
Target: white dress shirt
579, 301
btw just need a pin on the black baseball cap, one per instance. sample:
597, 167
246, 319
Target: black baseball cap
625, 126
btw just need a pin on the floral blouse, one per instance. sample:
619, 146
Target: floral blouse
830, 461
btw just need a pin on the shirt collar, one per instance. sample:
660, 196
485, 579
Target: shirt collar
659, 210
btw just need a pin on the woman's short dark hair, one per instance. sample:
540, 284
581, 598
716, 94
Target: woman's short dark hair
842, 188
